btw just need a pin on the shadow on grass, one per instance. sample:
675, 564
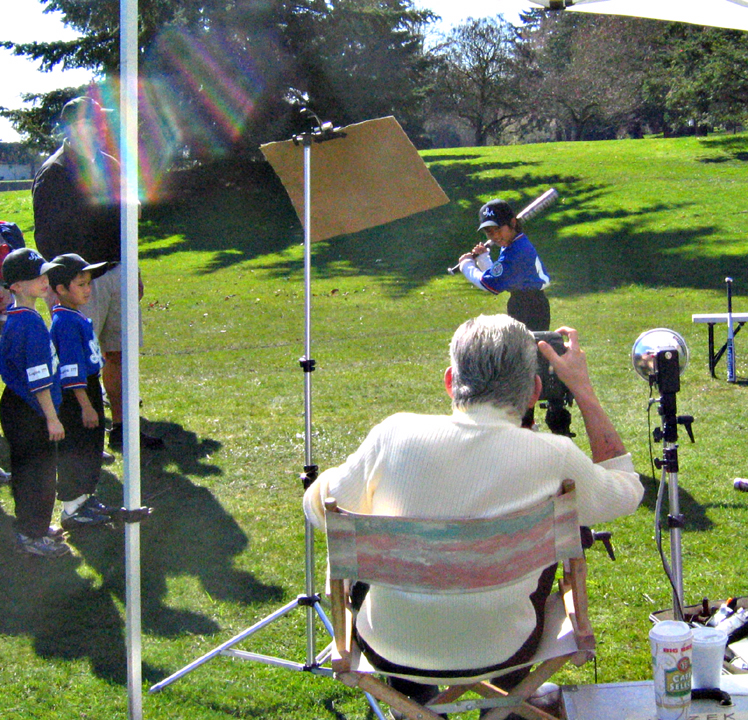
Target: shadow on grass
733, 148
67, 616
694, 513
248, 216
70, 614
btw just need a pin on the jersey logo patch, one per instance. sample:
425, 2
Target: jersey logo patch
96, 357
67, 371
55, 358
37, 373
497, 269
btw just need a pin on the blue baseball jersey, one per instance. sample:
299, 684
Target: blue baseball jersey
518, 267
77, 347
28, 359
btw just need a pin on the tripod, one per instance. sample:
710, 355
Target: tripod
309, 600
667, 379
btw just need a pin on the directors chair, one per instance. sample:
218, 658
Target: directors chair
448, 556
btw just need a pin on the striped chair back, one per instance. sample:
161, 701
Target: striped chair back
452, 555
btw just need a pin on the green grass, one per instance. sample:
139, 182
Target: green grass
644, 236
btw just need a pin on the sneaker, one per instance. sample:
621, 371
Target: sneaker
95, 505
55, 533
43, 546
106, 458
116, 441
92, 512
4, 477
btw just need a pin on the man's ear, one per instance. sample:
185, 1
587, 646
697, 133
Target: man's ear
536, 392
448, 381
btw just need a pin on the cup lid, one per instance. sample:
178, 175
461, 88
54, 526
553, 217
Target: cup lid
670, 630
708, 635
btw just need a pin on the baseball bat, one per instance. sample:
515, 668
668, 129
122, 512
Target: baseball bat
537, 205
730, 335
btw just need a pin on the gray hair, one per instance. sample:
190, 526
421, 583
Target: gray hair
494, 360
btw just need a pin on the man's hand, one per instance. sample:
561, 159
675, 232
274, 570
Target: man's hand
571, 368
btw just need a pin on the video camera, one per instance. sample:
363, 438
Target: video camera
555, 396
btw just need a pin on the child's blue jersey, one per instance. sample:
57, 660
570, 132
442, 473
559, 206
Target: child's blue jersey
77, 347
518, 267
28, 360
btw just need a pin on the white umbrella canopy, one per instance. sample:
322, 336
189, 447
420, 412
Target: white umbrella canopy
731, 14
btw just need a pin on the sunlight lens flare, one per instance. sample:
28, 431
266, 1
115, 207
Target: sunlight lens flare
196, 98
94, 129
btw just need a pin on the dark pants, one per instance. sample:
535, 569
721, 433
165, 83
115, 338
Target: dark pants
33, 464
79, 461
530, 307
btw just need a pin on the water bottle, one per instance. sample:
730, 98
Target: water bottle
733, 622
726, 609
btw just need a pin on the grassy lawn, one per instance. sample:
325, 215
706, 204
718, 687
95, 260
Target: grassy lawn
644, 236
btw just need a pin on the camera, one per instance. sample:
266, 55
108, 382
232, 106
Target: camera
555, 396
553, 389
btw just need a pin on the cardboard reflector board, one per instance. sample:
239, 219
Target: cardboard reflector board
371, 176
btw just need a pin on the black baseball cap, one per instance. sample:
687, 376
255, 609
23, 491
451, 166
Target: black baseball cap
495, 212
67, 266
81, 108
24, 264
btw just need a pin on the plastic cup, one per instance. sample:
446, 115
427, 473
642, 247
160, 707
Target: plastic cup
671, 642
708, 654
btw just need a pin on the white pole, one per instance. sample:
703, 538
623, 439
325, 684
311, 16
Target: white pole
130, 344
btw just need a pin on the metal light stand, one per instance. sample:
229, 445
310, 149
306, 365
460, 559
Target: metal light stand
668, 382
309, 599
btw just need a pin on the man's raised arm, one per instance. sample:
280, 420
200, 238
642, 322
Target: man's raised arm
571, 368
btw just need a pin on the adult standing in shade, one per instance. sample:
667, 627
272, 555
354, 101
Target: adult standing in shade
77, 210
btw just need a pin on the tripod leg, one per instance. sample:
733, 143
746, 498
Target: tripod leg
225, 646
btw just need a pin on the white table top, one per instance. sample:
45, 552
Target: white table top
718, 317
635, 701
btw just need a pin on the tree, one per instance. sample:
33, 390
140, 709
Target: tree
586, 72
38, 124
704, 77
476, 78
364, 59
214, 72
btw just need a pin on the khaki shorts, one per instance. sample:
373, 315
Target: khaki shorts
105, 310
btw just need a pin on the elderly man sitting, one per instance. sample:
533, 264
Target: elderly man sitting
476, 462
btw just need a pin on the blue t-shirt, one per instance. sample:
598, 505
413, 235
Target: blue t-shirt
77, 347
28, 359
518, 267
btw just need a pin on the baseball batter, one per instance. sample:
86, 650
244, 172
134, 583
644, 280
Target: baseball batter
518, 270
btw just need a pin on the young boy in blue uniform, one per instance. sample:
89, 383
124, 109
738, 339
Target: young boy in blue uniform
82, 409
518, 269
28, 407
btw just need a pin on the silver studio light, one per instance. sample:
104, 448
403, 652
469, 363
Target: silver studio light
652, 342
660, 356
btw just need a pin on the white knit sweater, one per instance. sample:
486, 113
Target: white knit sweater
470, 464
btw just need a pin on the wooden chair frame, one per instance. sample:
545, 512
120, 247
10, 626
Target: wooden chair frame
552, 535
